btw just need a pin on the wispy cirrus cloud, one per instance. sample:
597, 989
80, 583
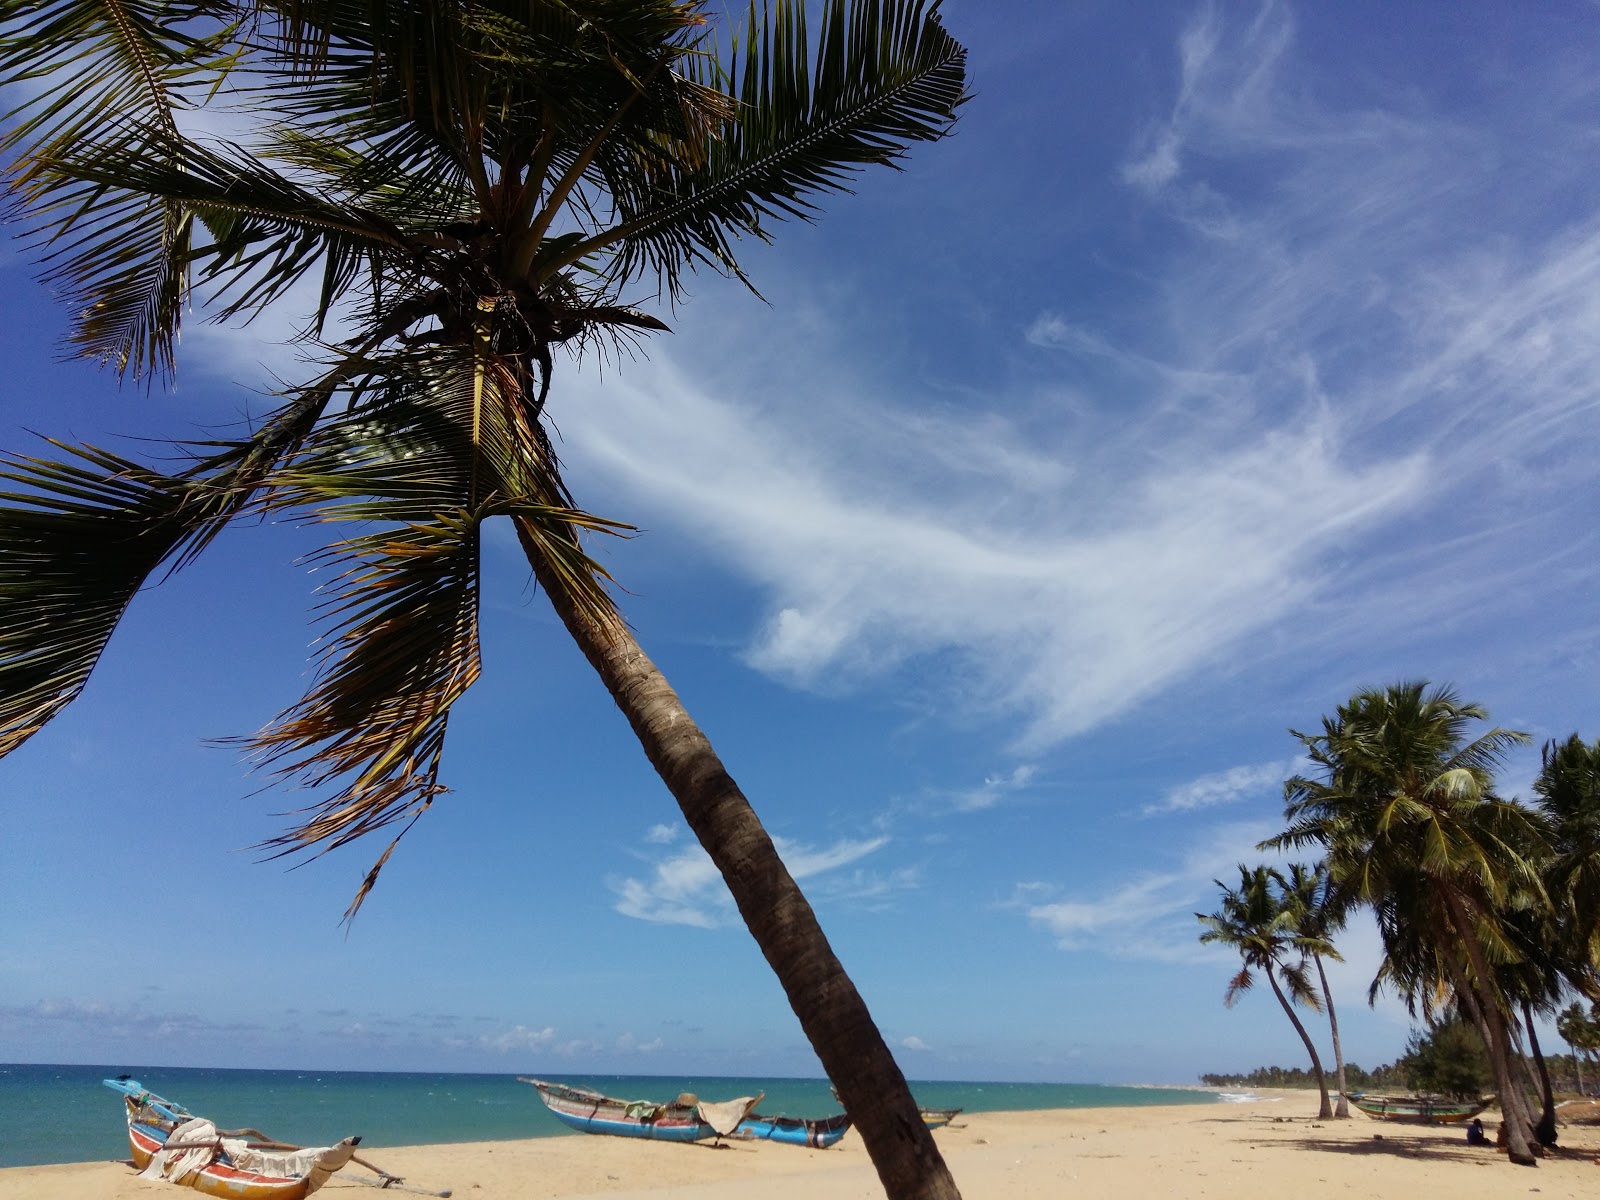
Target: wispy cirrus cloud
1151, 916
1327, 415
1224, 787
684, 888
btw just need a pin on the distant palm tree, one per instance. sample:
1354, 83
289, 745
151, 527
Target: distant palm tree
1255, 923
1581, 1032
468, 187
1316, 912
1409, 823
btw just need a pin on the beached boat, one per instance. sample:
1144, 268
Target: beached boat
933, 1118
169, 1142
1422, 1110
819, 1134
686, 1119
1579, 1112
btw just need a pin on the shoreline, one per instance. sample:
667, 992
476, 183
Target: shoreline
1257, 1149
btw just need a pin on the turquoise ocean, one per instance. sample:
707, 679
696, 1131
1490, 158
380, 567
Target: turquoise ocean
59, 1114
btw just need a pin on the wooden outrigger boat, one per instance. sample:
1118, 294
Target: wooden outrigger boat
1421, 1110
685, 1119
169, 1142
819, 1134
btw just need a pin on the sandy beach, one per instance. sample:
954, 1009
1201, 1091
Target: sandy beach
1264, 1149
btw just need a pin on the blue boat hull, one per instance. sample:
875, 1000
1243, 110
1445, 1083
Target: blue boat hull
819, 1135
658, 1131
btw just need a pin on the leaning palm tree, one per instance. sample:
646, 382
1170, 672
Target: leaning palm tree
1316, 912
472, 188
1406, 814
1257, 924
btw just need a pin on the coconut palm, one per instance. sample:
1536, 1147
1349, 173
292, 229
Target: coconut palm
1567, 792
1316, 912
1406, 814
470, 188
1256, 923
1581, 1032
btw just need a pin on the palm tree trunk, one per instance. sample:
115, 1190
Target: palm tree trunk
1577, 1065
1545, 1130
831, 1012
1485, 1013
1325, 1110
1341, 1110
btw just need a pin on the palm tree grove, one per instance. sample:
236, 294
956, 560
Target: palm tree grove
1484, 904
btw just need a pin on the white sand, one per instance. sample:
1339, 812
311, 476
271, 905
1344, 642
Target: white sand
1260, 1150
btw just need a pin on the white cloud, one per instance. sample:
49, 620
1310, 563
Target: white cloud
1225, 787
1332, 411
915, 1044
685, 888
518, 1038
662, 835
995, 788
1150, 917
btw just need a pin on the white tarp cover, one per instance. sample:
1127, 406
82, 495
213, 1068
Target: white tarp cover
195, 1146
725, 1117
315, 1165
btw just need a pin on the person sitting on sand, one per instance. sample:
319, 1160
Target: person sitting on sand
1475, 1135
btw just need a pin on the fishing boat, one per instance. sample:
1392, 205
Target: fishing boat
169, 1142
686, 1119
1579, 1112
1421, 1110
819, 1134
933, 1118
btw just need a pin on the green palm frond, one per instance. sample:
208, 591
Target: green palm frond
87, 64
886, 75
428, 449
82, 535
91, 68
75, 546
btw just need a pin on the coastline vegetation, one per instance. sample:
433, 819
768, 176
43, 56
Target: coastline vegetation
1488, 908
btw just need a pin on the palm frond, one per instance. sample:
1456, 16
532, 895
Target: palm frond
886, 75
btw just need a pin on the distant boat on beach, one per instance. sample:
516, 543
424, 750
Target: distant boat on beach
933, 1118
1422, 1110
686, 1119
169, 1142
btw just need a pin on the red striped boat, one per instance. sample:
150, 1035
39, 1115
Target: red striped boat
170, 1142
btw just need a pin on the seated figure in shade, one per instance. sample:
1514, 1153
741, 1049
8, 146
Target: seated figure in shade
1475, 1135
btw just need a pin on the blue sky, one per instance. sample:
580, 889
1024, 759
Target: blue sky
1225, 360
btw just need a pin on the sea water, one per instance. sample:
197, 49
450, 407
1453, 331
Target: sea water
58, 1114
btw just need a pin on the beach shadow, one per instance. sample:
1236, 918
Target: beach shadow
1389, 1146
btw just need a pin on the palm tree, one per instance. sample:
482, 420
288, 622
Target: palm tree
1581, 1032
471, 187
1316, 912
1260, 927
1568, 794
1408, 819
